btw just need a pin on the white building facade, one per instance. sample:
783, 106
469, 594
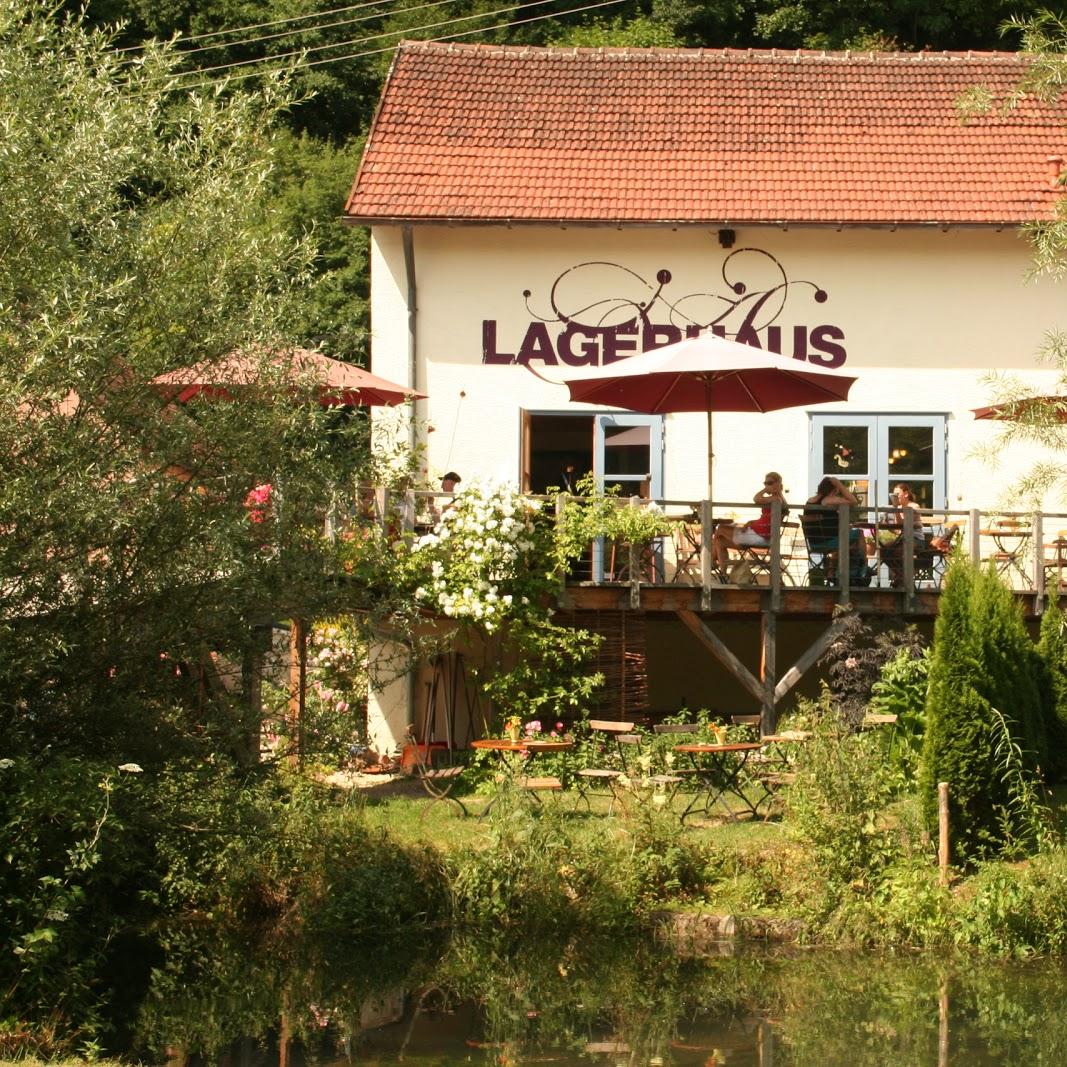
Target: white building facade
536, 211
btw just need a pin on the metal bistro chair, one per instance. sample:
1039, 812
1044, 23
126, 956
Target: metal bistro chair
931, 556
1055, 563
437, 781
591, 780
758, 557
687, 539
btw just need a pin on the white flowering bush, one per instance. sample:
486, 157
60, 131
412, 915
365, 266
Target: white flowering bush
490, 556
493, 562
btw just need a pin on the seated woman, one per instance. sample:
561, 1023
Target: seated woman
893, 553
727, 535
821, 526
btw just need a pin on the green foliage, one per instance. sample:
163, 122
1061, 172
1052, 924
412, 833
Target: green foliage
309, 186
837, 808
596, 513
1017, 910
277, 888
901, 691
489, 564
533, 875
548, 680
70, 868
639, 32
855, 662
137, 239
542, 872
982, 659
1052, 648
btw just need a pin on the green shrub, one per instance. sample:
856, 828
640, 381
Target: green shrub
1017, 910
542, 871
836, 809
982, 659
1052, 648
72, 862
901, 691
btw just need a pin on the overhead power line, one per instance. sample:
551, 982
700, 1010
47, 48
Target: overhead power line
260, 62
267, 25
309, 29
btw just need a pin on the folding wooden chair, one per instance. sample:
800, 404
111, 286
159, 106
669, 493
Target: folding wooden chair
608, 733
439, 782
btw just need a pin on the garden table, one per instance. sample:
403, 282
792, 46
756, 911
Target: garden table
506, 748
1010, 539
717, 769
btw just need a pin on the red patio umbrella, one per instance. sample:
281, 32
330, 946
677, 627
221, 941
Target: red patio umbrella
338, 383
708, 373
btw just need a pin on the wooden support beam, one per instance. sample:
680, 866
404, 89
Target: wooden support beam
808, 660
908, 558
711, 640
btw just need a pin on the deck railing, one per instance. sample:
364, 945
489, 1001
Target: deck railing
888, 549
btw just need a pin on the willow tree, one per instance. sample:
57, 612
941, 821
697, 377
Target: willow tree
138, 236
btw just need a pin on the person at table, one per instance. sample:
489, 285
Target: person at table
820, 525
893, 553
449, 484
757, 532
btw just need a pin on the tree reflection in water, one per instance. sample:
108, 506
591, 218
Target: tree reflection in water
614, 1003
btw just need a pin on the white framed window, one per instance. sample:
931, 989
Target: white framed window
872, 453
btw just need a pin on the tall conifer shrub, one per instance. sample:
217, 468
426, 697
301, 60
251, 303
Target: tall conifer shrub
1052, 648
982, 659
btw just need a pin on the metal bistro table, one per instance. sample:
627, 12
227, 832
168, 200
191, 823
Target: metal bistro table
1010, 539
718, 769
506, 748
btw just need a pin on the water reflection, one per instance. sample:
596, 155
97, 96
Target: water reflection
429, 1000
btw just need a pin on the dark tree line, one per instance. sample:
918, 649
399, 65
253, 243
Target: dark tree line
347, 54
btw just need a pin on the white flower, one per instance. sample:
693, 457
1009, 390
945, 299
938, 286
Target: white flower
131, 768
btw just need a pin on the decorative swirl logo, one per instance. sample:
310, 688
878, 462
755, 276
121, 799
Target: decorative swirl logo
756, 290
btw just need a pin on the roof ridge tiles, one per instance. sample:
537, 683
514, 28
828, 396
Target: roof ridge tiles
774, 53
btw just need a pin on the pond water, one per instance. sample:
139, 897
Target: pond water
575, 1003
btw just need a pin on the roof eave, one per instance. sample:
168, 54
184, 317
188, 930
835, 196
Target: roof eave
781, 224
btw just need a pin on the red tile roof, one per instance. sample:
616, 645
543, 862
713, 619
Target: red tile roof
489, 133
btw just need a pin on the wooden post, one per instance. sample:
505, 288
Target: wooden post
844, 553
1037, 538
298, 664
635, 564
768, 640
942, 832
764, 1044
776, 555
908, 557
974, 522
706, 531
284, 1037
